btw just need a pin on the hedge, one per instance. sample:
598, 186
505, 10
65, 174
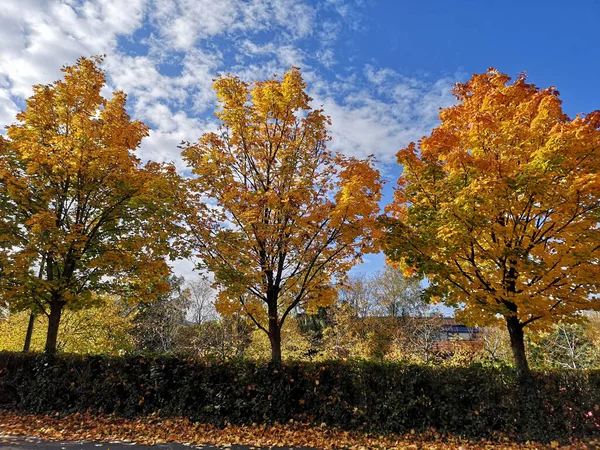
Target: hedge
474, 401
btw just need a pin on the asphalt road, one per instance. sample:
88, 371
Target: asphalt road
30, 443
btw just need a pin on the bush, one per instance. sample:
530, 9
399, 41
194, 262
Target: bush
382, 397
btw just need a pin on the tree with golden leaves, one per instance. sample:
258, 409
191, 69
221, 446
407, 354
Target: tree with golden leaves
289, 217
83, 209
499, 207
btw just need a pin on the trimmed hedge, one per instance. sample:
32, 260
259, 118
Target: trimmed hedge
472, 401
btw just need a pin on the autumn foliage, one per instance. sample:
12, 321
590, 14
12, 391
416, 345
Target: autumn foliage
499, 207
153, 430
104, 328
289, 216
81, 213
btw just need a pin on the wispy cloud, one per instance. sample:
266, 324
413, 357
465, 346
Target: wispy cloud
378, 111
40, 36
182, 23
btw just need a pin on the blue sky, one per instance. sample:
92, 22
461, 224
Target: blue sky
380, 69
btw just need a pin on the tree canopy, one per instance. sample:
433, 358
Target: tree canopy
81, 211
499, 207
289, 217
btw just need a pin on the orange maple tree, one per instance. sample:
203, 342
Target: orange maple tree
288, 215
499, 207
79, 209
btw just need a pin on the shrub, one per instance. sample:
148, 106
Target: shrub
475, 401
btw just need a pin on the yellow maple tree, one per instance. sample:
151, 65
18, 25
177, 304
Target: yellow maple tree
81, 212
289, 216
499, 207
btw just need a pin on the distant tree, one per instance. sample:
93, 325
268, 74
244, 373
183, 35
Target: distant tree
398, 296
341, 338
313, 326
593, 331
499, 207
159, 320
313, 323
567, 345
386, 294
202, 301
374, 316
13, 327
84, 210
289, 216
377, 336
359, 291
227, 337
496, 345
420, 336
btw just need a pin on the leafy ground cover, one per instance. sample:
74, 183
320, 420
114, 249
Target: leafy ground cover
151, 430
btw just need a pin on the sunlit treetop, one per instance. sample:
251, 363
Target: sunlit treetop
290, 215
87, 213
500, 205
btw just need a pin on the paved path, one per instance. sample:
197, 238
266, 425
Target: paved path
31, 443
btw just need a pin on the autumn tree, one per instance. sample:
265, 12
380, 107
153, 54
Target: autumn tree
84, 209
397, 295
290, 216
499, 207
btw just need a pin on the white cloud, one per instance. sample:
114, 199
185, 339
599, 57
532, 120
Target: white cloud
380, 111
283, 57
348, 10
139, 76
168, 133
182, 23
326, 57
39, 37
373, 109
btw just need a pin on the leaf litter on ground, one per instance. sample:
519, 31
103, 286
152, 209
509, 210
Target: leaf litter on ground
152, 430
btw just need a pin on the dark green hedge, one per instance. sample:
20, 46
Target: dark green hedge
471, 401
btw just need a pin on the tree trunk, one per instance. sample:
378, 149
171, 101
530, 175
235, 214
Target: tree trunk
274, 328
517, 344
29, 333
275, 339
32, 315
53, 323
